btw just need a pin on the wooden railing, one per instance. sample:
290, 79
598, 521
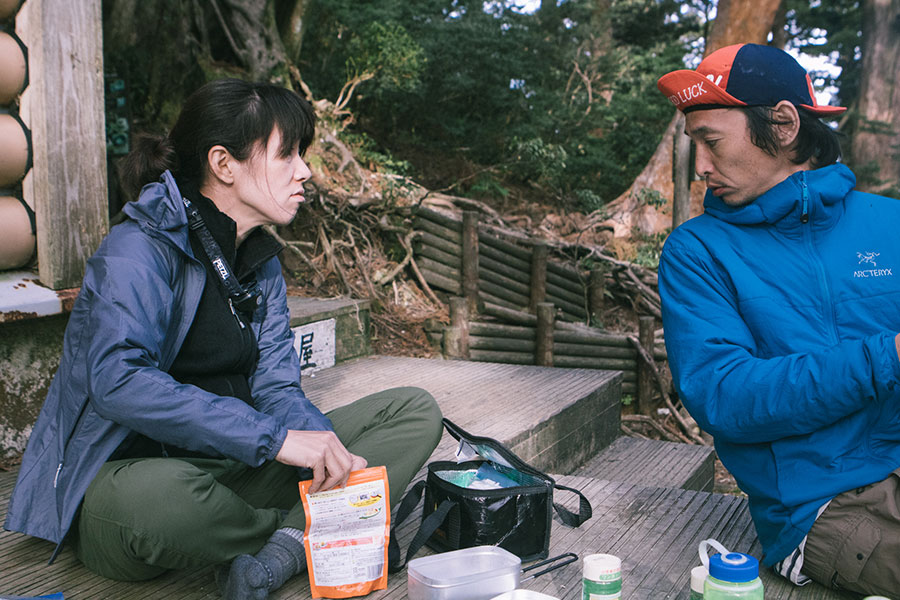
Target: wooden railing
511, 304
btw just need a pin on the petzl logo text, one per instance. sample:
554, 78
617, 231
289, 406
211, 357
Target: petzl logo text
221, 268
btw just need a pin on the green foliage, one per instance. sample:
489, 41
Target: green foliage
588, 201
498, 86
537, 160
831, 29
627, 399
369, 153
487, 186
649, 248
651, 197
388, 51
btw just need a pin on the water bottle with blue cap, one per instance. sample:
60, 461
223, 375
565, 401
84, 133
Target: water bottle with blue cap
732, 575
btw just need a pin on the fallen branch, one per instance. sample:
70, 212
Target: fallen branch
631, 432
347, 158
645, 356
332, 260
361, 266
421, 278
293, 247
651, 422
406, 242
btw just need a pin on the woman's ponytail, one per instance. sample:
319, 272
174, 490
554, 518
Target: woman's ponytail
150, 155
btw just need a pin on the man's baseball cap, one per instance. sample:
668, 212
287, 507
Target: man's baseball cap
743, 75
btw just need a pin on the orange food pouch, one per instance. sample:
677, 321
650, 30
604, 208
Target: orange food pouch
346, 536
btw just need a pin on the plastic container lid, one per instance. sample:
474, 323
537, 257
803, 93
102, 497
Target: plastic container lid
523, 595
734, 566
601, 566
698, 576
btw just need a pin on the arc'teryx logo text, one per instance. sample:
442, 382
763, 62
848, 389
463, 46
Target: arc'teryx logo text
869, 258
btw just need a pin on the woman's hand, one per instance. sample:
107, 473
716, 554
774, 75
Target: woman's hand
322, 452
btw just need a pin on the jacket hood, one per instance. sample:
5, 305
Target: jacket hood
160, 211
820, 189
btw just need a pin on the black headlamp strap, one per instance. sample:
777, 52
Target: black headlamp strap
245, 300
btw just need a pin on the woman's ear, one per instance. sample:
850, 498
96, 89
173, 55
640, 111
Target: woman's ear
221, 164
787, 123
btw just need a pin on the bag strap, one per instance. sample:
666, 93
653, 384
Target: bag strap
426, 529
569, 518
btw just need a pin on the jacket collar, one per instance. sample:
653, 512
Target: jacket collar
160, 211
816, 194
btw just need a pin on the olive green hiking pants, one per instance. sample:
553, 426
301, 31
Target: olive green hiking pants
142, 517
855, 543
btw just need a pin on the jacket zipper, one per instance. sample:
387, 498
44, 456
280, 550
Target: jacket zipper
804, 196
84, 408
822, 275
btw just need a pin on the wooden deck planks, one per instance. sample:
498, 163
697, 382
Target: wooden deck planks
654, 463
506, 402
655, 530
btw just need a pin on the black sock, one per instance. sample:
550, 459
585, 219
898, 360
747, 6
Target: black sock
253, 577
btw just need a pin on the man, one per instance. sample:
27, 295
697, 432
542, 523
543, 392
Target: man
781, 307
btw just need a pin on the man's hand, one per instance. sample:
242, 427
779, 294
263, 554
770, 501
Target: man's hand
897, 345
322, 452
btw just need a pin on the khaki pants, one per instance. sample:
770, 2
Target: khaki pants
142, 517
855, 544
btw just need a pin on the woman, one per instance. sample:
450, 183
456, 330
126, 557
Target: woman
174, 428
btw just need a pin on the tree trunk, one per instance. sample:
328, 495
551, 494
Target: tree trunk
876, 141
736, 21
250, 25
289, 15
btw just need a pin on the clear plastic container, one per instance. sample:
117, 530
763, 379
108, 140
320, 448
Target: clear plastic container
478, 573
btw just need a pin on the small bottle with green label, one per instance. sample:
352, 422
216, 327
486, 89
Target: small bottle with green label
602, 577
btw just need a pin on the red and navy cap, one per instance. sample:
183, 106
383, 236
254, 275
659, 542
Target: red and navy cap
743, 75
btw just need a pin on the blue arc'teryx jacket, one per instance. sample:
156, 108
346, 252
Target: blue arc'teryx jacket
780, 319
137, 301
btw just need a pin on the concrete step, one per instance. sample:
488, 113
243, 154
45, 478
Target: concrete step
329, 331
552, 418
654, 463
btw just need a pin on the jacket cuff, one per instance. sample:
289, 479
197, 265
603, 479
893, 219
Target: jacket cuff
277, 443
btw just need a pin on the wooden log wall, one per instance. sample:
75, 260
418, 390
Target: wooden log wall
540, 307
573, 346
504, 269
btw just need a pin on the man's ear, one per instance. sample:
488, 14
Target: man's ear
220, 163
787, 123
